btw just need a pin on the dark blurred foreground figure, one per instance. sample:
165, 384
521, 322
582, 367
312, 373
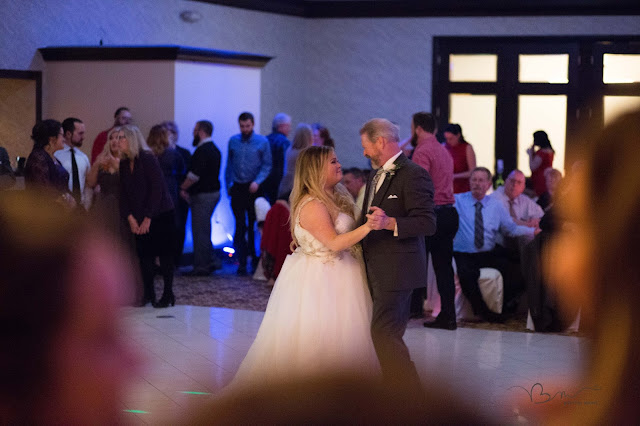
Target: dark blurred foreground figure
63, 358
594, 266
332, 399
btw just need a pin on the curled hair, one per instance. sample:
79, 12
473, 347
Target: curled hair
158, 139
43, 131
309, 181
107, 146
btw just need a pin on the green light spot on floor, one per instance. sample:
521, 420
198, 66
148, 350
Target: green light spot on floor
195, 393
136, 411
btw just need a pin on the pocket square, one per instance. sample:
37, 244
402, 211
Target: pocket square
392, 196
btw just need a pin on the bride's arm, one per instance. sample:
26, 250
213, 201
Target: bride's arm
315, 218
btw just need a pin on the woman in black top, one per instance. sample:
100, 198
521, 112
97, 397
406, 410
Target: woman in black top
147, 207
43, 170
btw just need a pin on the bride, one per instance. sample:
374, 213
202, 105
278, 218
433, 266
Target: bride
319, 314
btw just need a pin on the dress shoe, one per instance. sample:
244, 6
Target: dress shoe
441, 323
165, 301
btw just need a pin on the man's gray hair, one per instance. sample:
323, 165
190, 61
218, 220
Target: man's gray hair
280, 118
380, 127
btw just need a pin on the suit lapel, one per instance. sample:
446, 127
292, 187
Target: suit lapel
382, 192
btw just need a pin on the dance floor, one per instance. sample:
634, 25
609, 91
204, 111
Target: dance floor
192, 352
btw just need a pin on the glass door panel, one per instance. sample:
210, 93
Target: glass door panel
543, 68
476, 114
473, 68
616, 105
620, 68
542, 112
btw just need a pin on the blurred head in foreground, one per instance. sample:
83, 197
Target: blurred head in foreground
62, 357
595, 267
336, 399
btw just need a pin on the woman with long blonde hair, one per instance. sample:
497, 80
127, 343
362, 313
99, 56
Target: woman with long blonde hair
145, 204
319, 314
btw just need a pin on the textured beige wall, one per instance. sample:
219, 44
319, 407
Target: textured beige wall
93, 90
17, 116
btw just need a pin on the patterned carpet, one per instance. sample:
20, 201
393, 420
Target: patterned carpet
224, 289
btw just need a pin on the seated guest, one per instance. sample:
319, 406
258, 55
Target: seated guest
553, 178
594, 266
64, 358
275, 244
482, 219
522, 209
355, 181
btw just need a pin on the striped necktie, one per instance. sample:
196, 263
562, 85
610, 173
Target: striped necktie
374, 187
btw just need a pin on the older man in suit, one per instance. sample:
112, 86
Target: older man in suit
399, 204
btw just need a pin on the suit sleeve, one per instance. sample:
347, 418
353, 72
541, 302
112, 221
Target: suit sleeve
420, 219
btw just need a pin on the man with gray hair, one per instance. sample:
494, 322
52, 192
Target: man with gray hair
399, 206
279, 144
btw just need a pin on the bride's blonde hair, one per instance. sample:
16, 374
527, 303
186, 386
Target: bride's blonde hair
309, 181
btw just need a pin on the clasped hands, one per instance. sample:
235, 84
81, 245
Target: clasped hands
142, 228
377, 219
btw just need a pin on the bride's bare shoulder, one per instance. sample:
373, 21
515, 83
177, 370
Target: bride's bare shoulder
312, 211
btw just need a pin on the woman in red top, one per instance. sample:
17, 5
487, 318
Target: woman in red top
464, 157
540, 160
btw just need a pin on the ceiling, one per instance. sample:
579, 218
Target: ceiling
410, 8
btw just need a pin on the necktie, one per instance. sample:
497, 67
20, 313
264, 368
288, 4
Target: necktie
374, 186
512, 212
75, 176
478, 237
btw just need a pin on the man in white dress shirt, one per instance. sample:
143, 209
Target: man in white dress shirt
521, 208
475, 246
74, 160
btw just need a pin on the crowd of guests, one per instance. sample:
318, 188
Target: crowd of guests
141, 189
476, 229
593, 264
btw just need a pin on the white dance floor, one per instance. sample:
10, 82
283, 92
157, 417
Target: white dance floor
192, 352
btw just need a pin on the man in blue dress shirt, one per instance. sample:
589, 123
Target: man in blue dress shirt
248, 165
482, 220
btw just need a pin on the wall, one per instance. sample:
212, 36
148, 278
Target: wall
365, 68
152, 22
337, 71
93, 90
209, 92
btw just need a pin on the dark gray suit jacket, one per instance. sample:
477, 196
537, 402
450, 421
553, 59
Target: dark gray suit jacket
400, 263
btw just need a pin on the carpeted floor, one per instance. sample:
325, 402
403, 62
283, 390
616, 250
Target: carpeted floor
224, 289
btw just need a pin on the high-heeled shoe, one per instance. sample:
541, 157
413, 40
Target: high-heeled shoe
165, 301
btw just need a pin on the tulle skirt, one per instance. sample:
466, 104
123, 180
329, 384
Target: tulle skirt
317, 320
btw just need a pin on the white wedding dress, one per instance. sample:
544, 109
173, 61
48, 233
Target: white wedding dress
318, 317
